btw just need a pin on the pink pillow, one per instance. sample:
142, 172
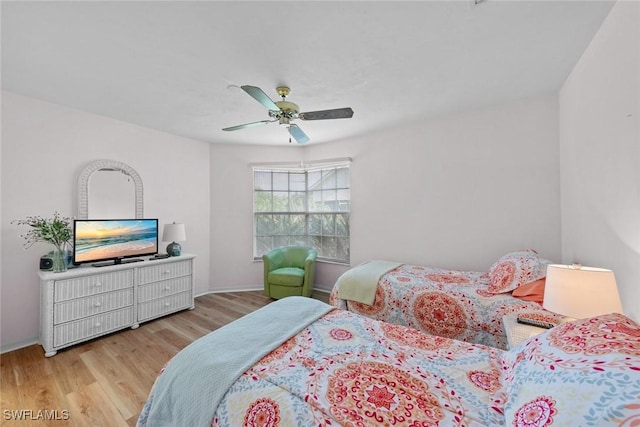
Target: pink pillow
533, 291
516, 269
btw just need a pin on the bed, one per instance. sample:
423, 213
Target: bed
301, 362
464, 305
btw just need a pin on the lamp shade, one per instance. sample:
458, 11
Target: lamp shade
174, 233
579, 292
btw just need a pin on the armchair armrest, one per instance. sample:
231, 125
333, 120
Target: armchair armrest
309, 272
310, 259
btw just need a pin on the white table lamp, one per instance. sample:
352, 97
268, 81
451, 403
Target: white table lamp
579, 292
174, 233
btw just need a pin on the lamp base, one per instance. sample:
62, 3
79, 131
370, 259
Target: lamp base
174, 249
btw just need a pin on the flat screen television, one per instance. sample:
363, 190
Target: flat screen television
114, 241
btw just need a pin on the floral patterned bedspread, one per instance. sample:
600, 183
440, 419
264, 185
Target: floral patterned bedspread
447, 303
348, 370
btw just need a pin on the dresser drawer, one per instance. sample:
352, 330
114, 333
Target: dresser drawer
164, 288
92, 326
162, 306
88, 306
164, 271
90, 285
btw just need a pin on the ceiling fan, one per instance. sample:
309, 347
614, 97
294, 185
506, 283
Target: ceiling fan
284, 112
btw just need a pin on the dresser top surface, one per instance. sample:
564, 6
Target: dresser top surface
88, 269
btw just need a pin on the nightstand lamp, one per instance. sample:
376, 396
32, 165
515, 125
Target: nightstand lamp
579, 292
174, 233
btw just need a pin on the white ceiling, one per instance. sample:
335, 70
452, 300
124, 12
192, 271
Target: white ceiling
176, 66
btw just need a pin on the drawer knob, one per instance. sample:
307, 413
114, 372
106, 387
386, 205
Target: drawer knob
97, 325
166, 288
98, 284
167, 271
166, 304
98, 304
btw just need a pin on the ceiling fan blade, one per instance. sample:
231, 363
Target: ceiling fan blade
298, 134
338, 113
259, 95
249, 125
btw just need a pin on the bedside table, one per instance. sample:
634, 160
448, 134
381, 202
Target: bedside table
517, 332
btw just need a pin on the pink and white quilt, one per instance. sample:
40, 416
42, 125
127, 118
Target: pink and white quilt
461, 305
347, 370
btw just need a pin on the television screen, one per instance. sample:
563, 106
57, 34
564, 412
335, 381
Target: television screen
113, 239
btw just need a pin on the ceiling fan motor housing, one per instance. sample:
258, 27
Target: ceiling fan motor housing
283, 91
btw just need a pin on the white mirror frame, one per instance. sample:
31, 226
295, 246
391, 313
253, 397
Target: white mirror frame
83, 185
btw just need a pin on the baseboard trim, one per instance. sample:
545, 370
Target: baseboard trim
221, 291
18, 346
251, 289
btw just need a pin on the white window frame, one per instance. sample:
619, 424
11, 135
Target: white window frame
326, 230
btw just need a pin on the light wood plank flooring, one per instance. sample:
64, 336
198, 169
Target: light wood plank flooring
105, 382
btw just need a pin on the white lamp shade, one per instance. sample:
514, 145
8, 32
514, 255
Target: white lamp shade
174, 233
580, 292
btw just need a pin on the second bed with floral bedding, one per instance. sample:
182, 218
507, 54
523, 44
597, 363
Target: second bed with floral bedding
464, 305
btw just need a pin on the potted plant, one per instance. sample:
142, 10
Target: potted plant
56, 230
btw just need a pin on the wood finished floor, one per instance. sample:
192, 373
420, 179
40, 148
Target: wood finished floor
105, 382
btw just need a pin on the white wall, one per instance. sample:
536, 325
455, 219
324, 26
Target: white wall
600, 154
44, 148
456, 192
232, 264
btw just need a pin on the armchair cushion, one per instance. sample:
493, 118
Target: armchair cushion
286, 276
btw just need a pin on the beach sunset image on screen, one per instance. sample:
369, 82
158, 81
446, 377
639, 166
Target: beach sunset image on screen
110, 239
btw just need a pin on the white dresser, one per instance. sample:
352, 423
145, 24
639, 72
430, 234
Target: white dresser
86, 302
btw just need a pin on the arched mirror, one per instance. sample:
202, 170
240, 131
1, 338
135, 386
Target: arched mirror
109, 189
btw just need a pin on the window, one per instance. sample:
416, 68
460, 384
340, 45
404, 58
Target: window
306, 206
